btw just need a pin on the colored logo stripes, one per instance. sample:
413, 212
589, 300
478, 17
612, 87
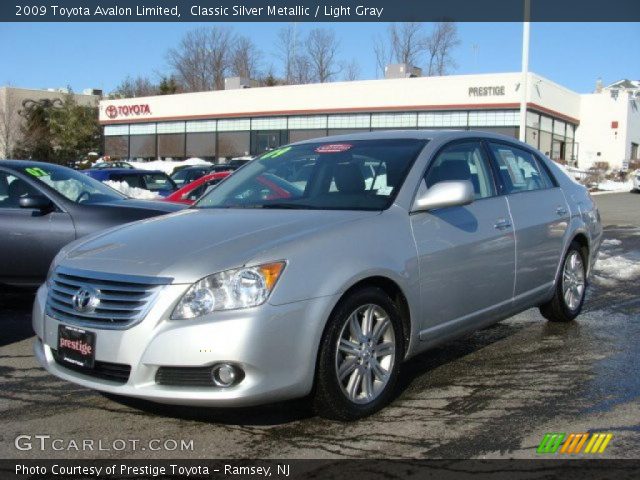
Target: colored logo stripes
574, 443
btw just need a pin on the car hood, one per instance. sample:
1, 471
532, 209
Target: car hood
156, 205
194, 243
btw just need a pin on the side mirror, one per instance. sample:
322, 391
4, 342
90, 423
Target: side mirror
448, 193
35, 202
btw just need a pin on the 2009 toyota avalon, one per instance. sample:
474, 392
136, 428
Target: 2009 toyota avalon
394, 242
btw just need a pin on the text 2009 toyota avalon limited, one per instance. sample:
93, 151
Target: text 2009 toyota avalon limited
317, 269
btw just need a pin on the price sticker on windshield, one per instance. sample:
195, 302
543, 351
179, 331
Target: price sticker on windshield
334, 148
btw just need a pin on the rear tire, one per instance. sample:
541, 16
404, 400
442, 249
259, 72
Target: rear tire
570, 288
360, 355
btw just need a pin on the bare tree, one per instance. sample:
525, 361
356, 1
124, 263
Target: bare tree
135, 87
302, 70
351, 70
403, 43
202, 58
407, 42
322, 50
245, 58
440, 45
10, 123
383, 54
288, 48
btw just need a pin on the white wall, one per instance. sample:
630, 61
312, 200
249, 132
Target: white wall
598, 141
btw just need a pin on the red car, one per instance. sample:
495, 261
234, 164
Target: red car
194, 190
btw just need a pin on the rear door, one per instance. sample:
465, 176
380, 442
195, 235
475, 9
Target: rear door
466, 253
540, 214
29, 239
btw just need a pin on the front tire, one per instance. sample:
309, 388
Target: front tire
571, 286
360, 356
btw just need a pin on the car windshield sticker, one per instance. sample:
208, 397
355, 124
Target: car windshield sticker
334, 148
275, 153
36, 172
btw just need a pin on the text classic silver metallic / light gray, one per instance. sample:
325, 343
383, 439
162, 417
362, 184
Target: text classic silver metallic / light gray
318, 269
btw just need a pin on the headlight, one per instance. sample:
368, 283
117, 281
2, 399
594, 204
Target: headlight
52, 268
229, 290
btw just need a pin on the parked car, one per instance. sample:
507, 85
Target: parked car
268, 187
152, 180
116, 164
398, 241
196, 188
635, 176
43, 207
184, 175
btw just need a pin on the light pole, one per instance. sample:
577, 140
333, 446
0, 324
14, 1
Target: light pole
525, 71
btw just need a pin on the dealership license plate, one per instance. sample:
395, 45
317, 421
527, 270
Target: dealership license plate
76, 346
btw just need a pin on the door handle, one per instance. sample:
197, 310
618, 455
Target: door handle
502, 224
561, 211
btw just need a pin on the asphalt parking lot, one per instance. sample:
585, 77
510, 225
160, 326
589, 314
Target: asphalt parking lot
492, 394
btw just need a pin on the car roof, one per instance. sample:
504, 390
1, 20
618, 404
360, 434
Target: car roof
440, 134
27, 163
123, 170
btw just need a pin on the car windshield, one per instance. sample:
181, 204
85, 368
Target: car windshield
345, 175
73, 185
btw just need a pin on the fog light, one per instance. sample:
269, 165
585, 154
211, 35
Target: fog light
224, 375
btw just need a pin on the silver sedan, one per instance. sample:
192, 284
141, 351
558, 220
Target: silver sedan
318, 268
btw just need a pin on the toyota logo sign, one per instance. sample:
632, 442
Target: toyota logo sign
86, 300
111, 111
136, 110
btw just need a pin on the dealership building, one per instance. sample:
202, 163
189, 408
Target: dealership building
579, 129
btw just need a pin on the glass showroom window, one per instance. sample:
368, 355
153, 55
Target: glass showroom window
442, 119
273, 123
201, 144
233, 144
360, 121
201, 126
394, 120
171, 145
310, 122
116, 146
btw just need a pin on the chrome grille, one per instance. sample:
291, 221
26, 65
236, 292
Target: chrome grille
123, 300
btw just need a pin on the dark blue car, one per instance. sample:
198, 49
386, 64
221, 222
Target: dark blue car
153, 180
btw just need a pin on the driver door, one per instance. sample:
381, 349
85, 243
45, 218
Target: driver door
466, 253
29, 239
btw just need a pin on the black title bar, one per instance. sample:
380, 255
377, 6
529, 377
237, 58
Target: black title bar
317, 11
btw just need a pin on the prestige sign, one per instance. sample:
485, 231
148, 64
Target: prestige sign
135, 110
486, 91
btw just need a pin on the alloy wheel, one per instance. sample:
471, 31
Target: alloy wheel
365, 354
573, 280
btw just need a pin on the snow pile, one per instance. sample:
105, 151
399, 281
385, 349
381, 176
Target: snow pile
168, 166
133, 192
612, 186
615, 265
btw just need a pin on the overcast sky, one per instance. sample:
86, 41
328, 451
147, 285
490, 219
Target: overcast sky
100, 55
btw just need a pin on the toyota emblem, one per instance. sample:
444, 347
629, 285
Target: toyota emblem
85, 300
111, 111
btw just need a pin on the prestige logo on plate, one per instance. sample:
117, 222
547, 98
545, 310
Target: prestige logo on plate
76, 345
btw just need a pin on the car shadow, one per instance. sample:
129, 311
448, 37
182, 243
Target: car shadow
296, 410
15, 315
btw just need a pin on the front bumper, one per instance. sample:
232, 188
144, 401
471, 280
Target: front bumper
276, 346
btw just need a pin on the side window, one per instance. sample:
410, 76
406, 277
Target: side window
519, 169
463, 161
11, 189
